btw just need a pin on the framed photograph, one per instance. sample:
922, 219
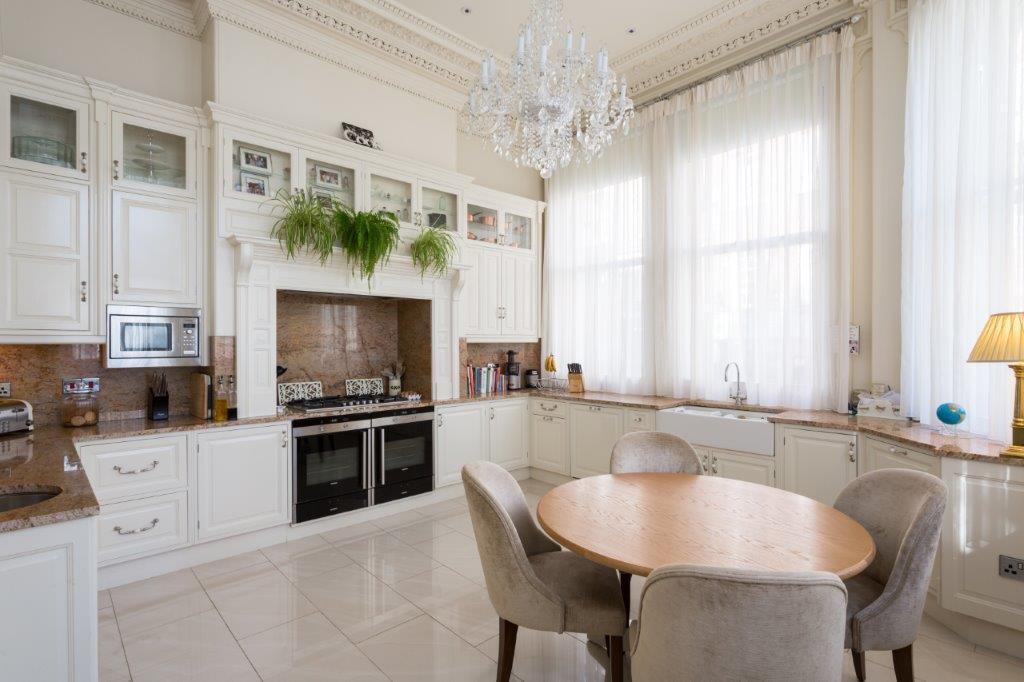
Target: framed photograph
327, 177
254, 161
358, 135
258, 185
325, 198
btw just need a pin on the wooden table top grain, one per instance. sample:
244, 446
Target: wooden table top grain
638, 522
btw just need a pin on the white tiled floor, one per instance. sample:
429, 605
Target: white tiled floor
401, 598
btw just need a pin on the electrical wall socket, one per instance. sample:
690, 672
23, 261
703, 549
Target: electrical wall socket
1011, 567
5, 389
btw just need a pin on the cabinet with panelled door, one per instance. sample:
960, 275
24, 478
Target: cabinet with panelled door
45, 125
501, 301
495, 431
593, 430
816, 463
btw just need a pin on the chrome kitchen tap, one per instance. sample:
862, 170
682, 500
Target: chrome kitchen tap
739, 391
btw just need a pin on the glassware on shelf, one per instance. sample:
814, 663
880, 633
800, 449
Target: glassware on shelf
154, 157
43, 133
439, 208
392, 196
518, 231
482, 224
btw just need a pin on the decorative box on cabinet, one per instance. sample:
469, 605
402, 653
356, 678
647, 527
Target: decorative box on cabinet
816, 463
593, 430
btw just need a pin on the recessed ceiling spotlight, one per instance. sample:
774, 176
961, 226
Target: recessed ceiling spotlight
631, 30
466, 9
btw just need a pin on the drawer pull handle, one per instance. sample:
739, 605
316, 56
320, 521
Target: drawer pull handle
144, 529
132, 472
898, 452
549, 409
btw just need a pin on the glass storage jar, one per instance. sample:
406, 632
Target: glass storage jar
80, 405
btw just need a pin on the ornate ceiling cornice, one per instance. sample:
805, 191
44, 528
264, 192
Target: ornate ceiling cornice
172, 15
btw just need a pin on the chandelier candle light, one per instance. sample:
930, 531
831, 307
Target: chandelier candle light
555, 103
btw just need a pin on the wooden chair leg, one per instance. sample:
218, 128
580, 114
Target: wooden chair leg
506, 648
903, 662
858, 664
624, 586
615, 657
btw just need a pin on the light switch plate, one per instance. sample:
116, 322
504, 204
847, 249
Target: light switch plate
5, 389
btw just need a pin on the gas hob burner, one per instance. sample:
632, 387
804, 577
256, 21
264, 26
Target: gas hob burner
337, 402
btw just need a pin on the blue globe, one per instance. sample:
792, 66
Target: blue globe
950, 413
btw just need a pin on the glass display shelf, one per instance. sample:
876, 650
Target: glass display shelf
440, 209
393, 196
43, 133
154, 157
260, 171
329, 181
482, 224
518, 231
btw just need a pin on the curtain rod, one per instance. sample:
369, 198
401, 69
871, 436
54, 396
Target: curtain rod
747, 62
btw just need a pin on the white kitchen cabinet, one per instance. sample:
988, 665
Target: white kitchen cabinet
507, 434
817, 464
501, 297
45, 254
549, 443
242, 480
45, 130
461, 439
142, 527
150, 155
593, 430
48, 591
480, 307
520, 296
639, 420
743, 466
155, 250
126, 469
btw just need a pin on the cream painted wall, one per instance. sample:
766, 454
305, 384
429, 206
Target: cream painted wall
86, 39
477, 158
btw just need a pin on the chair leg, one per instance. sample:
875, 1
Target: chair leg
903, 662
624, 587
506, 648
858, 663
615, 657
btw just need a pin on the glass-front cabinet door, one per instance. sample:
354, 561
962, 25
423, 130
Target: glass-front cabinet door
151, 157
439, 208
482, 224
331, 182
46, 133
394, 196
259, 171
518, 231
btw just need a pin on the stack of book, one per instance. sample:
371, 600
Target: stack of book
484, 380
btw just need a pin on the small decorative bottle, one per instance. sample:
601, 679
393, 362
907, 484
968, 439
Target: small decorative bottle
232, 398
220, 402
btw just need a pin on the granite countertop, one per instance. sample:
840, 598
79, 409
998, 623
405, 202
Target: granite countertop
924, 438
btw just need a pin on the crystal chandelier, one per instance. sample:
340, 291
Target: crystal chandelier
555, 103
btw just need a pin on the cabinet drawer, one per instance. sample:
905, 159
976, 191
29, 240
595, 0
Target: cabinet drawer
548, 407
639, 420
131, 529
397, 491
126, 469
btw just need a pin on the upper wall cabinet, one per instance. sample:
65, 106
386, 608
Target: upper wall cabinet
45, 131
152, 156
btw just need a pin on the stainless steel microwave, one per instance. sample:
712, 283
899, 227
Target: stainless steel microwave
144, 336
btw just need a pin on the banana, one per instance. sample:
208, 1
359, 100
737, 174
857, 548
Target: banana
549, 364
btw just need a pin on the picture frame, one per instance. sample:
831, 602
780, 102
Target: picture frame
327, 177
255, 184
255, 161
325, 198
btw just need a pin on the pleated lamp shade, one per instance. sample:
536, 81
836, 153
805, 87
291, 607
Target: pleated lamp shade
1002, 339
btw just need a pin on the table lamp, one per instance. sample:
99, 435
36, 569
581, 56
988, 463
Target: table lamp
1002, 340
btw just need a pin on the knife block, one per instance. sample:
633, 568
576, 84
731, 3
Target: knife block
576, 383
158, 407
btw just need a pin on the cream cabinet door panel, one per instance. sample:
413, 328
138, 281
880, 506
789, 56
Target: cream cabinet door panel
593, 431
44, 244
743, 467
155, 255
818, 464
519, 295
549, 444
132, 468
461, 439
242, 480
507, 433
44, 113
488, 282
141, 527
639, 420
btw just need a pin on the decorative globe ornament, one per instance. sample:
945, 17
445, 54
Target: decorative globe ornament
951, 415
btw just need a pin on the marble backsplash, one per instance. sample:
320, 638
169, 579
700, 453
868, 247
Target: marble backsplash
478, 354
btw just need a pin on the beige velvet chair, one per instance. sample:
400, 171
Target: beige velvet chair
530, 580
902, 510
702, 623
654, 452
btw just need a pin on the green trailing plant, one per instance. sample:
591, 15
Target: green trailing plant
305, 224
433, 250
367, 237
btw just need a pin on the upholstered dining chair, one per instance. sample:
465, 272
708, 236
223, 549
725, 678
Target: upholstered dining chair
654, 452
902, 510
530, 580
704, 623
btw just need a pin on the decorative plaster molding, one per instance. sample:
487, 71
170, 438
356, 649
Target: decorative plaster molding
684, 31
172, 15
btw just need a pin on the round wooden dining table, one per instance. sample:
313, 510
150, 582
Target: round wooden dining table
638, 522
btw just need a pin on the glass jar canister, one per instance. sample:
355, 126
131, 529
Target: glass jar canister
80, 405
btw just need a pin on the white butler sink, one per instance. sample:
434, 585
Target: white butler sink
739, 430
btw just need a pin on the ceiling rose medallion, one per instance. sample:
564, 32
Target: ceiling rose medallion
555, 103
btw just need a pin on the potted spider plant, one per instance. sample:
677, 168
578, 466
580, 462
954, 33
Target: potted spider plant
305, 224
433, 250
367, 237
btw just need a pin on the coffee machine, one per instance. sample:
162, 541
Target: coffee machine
512, 372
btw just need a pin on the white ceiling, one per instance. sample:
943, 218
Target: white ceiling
494, 24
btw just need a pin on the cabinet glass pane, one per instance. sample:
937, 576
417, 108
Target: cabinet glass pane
482, 224
154, 157
329, 181
439, 209
260, 171
390, 195
518, 231
43, 133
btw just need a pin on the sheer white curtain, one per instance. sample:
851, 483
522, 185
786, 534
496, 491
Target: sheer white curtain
743, 238
963, 203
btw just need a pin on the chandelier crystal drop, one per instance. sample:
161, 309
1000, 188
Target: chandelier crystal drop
555, 103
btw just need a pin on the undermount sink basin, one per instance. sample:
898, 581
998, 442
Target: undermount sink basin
24, 498
739, 430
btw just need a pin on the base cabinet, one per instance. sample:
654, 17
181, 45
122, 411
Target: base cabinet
593, 430
549, 443
242, 480
742, 466
507, 434
817, 464
494, 431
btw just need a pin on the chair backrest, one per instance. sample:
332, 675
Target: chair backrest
703, 623
654, 452
506, 536
902, 510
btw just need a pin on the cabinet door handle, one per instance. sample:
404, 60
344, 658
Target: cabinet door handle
553, 408
714, 465
84, 168
547, 418
492, 413
284, 439
440, 420
117, 285
85, 293
129, 472
895, 451
116, 164
144, 529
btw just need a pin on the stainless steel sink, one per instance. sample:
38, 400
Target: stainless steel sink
24, 498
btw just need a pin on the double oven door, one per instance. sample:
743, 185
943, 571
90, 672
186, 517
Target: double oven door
403, 455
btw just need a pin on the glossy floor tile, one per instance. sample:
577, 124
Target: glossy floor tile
399, 598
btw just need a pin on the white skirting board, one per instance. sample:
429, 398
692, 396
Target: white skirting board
977, 631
